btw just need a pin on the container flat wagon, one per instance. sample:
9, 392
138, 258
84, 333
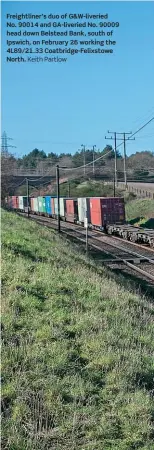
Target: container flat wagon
103, 213
133, 234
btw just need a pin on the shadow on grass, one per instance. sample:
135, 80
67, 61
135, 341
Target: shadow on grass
136, 220
145, 379
19, 250
35, 292
148, 224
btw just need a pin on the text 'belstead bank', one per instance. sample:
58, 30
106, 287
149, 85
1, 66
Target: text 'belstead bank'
67, 33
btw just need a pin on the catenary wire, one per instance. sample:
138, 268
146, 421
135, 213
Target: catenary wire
138, 130
16, 186
99, 158
103, 156
141, 128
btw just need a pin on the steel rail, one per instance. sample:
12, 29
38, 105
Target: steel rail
145, 247
137, 269
110, 244
127, 263
102, 238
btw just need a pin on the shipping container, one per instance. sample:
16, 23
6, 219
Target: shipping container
107, 210
9, 202
84, 209
55, 206
15, 202
52, 206
21, 203
41, 205
62, 204
71, 213
26, 203
48, 205
55, 201
62, 207
34, 204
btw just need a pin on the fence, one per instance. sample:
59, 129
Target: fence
144, 191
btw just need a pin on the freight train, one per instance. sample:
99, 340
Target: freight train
106, 214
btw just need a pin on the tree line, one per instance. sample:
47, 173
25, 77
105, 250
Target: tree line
36, 157
139, 166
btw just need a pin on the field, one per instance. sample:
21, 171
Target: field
77, 366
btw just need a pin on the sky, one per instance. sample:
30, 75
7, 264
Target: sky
56, 107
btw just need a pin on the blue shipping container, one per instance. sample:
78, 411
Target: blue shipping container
48, 205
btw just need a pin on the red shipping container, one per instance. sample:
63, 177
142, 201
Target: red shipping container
107, 210
32, 203
71, 207
15, 202
9, 202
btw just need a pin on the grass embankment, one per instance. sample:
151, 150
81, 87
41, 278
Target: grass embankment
77, 368
141, 212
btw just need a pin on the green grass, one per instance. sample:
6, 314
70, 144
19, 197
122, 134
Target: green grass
141, 212
77, 366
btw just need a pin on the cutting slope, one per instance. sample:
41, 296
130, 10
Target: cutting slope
77, 368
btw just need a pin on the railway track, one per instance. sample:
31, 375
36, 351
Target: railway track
131, 244
119, 256
115, 253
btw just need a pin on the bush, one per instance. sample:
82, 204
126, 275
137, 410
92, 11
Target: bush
128, 196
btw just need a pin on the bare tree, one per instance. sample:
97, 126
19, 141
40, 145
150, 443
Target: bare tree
8, 164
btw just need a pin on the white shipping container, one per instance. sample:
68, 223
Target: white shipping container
82, 204
62, 207
35, 203
56, 205
21, 203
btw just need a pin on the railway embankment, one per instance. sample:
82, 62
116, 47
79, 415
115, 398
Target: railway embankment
140, 212
77, 365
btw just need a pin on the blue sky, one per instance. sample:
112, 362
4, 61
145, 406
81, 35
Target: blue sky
58, 107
